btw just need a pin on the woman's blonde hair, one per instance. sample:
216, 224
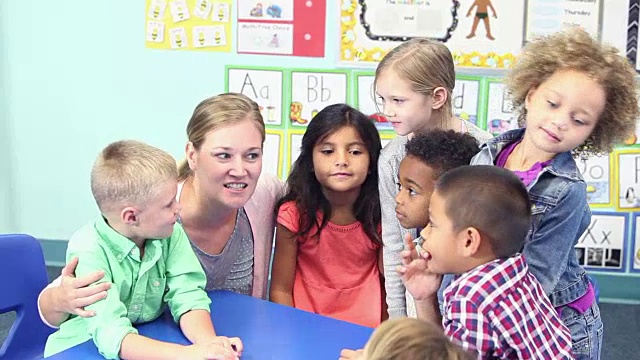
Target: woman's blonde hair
574, 49
426, 64
411, 339
216, 112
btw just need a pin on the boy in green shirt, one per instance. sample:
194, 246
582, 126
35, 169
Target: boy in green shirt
146, 256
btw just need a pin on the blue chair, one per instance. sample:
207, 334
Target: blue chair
22, 276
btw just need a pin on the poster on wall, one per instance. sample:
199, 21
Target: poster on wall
282, 27
312, 91
596, 171
548, 16
627, 179
602, 246
366, 99
500, 115
614, 28
636, 244
264, 86
479, 33
295, 144
273, 151
188, 25
466, 99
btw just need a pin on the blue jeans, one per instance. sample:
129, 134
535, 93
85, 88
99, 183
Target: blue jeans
586, 331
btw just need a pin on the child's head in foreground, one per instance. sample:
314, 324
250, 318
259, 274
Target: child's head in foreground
476, 214
581, 93
411, 339
135, 185
429, 155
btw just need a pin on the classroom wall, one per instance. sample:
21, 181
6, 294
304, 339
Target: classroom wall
75, 75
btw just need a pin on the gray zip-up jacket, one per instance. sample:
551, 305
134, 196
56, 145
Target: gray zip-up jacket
392, 232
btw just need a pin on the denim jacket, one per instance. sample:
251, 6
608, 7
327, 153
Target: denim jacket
560, 215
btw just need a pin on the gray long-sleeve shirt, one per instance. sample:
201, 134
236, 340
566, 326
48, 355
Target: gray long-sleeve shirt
392, 232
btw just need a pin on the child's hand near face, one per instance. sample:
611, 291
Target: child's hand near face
414, 272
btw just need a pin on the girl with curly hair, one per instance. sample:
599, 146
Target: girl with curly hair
575, 97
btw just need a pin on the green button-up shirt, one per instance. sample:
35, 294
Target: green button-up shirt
169, 272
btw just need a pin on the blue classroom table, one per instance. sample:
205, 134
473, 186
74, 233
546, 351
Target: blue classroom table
268, 331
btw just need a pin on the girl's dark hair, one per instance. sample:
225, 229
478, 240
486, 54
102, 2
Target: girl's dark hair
304, 189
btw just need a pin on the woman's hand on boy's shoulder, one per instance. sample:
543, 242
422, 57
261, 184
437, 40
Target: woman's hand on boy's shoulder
74, 294
414, 272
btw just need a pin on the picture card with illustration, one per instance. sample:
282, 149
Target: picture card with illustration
602, 246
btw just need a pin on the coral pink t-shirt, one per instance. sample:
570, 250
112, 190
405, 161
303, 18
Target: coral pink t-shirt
336, 275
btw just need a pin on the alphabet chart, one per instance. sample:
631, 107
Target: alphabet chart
295, 145
264, 86
313, 91
603, 244
273, 152
365, 98
596, 172
466, 99
500, 116
628, 179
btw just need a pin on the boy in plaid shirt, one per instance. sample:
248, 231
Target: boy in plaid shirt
478, 219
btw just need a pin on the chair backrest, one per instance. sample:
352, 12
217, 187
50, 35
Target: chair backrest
23, 275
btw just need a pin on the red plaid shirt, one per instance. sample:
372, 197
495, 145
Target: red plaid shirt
500, 310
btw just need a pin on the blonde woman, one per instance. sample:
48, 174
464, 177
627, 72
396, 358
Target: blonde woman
227, 208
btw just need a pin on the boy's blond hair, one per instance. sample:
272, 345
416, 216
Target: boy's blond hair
219, 111
129, 172
574, 49
426, 64
411, 339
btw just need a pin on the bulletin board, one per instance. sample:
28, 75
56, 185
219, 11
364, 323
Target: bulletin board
188, 25
602, 246
478, 35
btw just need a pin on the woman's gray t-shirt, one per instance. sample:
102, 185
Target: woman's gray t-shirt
232, 269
